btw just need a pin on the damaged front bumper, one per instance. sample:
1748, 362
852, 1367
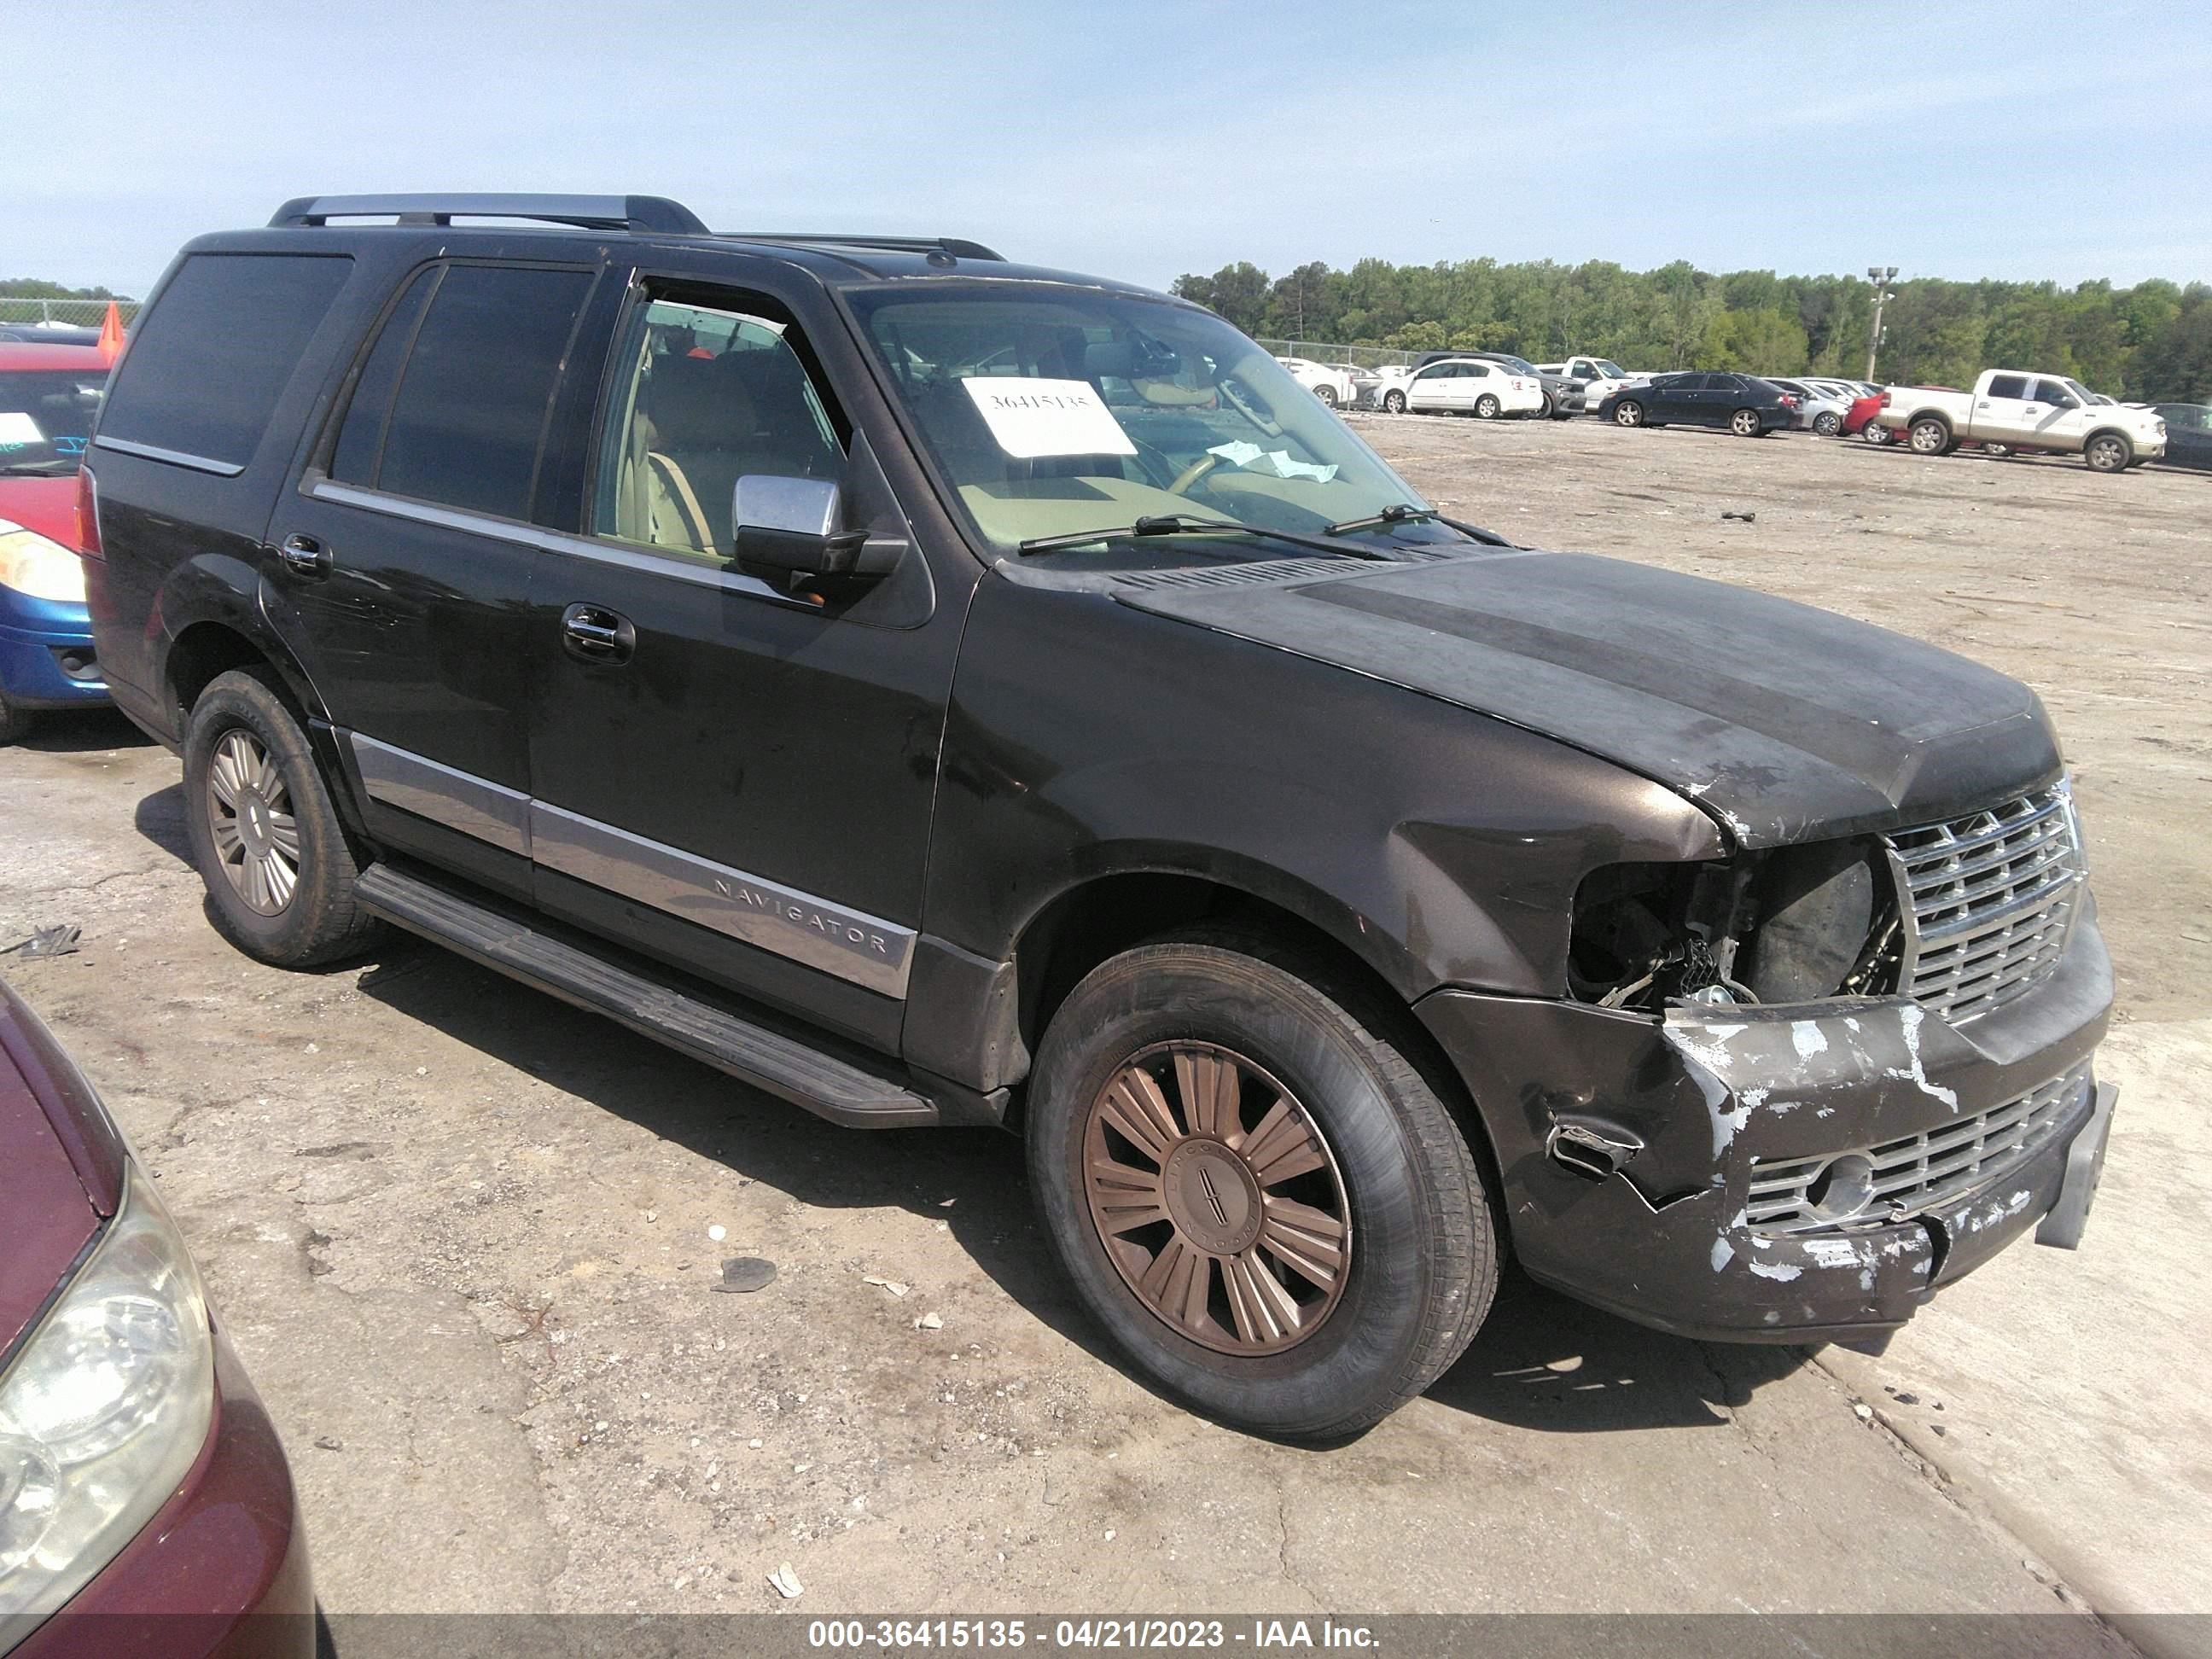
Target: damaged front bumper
1718, 1122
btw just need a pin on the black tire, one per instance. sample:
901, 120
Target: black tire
1326, 394
1628, 412
1827, 423
1394, 402
1423, 1258
1928, 436
318, 921
1880, 436
14, 723
1548, 410
2108, 452
1745, 424
1487, 407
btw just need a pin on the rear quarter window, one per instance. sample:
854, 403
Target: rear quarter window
205, 367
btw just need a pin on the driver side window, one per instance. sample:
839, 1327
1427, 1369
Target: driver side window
703, 396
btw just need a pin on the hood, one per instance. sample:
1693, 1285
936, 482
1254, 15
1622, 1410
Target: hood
51, 1215
45, 505
1785, 722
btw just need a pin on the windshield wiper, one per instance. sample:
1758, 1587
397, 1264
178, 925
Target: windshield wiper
1186, 523
1398, 515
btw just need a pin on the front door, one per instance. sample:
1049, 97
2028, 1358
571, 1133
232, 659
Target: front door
727, 775
1675, 397
403, 560
1436, 387
2064, 420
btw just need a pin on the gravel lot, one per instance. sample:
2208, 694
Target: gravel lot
467, 1239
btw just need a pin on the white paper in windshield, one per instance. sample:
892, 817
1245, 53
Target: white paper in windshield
17, 428
1032, 418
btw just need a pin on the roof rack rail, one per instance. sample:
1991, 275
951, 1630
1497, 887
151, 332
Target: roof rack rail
958, 246
635, 213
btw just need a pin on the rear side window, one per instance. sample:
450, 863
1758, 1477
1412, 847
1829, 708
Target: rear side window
2008, 386
467, 419
205, 369
361, 438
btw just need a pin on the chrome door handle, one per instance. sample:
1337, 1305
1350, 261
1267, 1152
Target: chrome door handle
303, 556
594, 633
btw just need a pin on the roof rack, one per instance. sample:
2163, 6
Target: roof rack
634, 213
958, 246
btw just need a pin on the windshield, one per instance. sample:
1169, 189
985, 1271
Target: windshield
1051, 410
1518, 365
1610, 370
46, 416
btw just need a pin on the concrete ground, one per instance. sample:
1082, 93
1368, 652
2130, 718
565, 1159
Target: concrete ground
467, 1239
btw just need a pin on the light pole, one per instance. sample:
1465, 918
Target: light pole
1881, 277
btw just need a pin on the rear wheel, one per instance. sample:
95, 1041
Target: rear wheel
1394, 402
1628, 412
1262, 1200
1487, 406
1827, 423
1744, 423
2108, 451
266, 840
1326, 394
1879, 436
1930, 436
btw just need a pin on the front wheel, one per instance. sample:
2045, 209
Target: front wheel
2108, 451
1259, 1196
1393, 402
1547, 410
1486, 407
267, 843
1628, 412
14, 723
1326, 394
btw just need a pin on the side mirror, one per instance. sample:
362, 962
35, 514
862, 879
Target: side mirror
791, 530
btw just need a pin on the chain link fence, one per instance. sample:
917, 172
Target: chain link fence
1322, 351
61, 313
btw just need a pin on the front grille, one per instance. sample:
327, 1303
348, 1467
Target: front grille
1923, 1172
1987, 901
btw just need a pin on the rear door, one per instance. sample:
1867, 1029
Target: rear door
2006, 410
729, 775
404, 559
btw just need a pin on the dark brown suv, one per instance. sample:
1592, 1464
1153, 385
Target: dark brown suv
934, 689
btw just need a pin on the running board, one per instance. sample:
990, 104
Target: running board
783, 1065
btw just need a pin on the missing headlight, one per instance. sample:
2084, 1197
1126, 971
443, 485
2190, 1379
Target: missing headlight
1795, 925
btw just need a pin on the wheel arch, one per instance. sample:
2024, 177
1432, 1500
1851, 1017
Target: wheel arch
2135, 452
1096, 918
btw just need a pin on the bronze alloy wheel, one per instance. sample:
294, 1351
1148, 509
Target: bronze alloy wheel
1216, 1199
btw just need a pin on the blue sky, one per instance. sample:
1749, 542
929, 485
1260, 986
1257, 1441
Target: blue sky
1142, 140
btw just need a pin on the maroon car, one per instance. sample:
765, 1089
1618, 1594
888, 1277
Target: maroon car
145, 1506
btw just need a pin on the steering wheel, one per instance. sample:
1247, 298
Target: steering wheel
1228, 388
1191, 474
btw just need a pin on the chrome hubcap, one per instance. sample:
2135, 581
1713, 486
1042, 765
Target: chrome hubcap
257, 838
1216, 1199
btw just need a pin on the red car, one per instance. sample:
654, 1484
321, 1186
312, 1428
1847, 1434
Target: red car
1863, 411
146, 1510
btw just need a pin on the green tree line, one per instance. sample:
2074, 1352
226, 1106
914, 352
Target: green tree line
35, 288
2152, 342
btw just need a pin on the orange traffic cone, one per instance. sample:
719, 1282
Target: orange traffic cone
109, 344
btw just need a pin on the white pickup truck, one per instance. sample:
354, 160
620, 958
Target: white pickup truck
2011, 409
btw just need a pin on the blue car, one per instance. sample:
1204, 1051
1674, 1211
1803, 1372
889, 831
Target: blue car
48, 397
